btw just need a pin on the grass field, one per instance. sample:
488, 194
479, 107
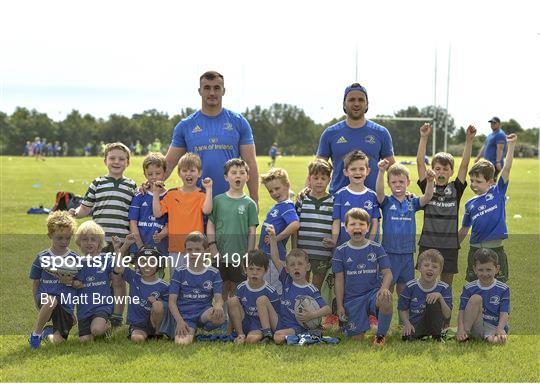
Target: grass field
26, 183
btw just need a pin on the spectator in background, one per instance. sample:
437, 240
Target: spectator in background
65, 149
494, 148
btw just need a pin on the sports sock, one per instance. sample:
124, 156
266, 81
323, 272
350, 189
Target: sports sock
384, 324
36, 334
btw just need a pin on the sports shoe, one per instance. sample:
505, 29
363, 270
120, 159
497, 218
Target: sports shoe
438, 338
48, 330
373, 323
34, 341
268, 336
331, 321
379, 341
116, 320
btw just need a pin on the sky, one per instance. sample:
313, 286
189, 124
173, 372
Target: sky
124, 57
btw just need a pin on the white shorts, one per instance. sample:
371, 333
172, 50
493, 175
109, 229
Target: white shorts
483, 331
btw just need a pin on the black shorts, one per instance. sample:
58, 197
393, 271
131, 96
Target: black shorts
147, 328
62, 321
450, 256
230, 273
85, 324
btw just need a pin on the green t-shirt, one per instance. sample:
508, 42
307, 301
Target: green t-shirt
232, 218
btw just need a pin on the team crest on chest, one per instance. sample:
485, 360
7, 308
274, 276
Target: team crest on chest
372, 257
241, 209
368, 205
494, 300
370, 139
489, 197
228, 127
274, 213
207, 285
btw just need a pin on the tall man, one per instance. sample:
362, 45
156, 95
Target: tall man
355, 132
216, 134
494, 148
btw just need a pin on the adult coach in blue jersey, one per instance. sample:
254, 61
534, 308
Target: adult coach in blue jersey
494, 148
216, 134
355, 132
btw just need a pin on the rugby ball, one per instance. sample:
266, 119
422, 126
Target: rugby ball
64, 269
307, 303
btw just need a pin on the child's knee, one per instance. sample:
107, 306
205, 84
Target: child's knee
86, 338
157, 307
262, 301
253, 339
138, 338
183, 340
279, 338
233, 302
57, 338
476, 300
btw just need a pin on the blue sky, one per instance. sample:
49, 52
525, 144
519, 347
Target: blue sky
104, 57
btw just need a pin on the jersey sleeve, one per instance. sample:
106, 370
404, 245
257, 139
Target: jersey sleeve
246, 133
164, 291
447, 296
337, 261
502, 187
290, 215
464, 299
135, 208
505, 301
382, 258
500, 138
416, 204
253, 218
284, 277
164, 203
466, 222
175, 284
318, 298
422, 184
460, 187
404, 301
178, 138
376, 211
89, 198
129, 275
324, 149
336, 209
36, 269
387, 148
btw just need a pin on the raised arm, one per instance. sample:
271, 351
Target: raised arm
122, 250
207, 205
464, 166
428, 195
157, 189
274, 251
425, 131
511, 140
247, 152
379, 185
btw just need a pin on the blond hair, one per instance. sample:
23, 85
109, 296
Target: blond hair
90, 227
190, 160
297, 252
59, 220
275, 174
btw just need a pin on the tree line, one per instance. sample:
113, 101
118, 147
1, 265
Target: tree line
289, 126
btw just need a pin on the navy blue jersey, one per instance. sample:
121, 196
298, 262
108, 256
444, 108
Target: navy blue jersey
280, 216
248, 297
495, 299
487, 214
139, 313
399, 224
345, 199
413, 298
141, 211
96, 287
361, 267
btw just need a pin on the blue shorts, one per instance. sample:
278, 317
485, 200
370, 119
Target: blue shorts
298, 329
251, 323
402, 266
168, 325
358, 310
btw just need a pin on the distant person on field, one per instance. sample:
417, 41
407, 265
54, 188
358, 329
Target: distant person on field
485, 303
486, 213
108, 199
425, 304
495, 146
355, 133
273, 153
48, 288
440, 229
65, 149
216, 134
185, 205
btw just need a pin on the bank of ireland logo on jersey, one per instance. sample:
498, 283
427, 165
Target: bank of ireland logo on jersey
370, 139
228, 127
213, 140
197, 129
481, 208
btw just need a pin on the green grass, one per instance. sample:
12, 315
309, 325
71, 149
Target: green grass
22, 236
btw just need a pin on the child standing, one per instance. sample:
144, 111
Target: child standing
486, 212
282, 216
440, 229
185, 205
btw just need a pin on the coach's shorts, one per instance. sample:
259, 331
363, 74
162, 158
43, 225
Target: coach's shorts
320, 267
358, 310
62, 320
450, 256
503, 263
402, 266
85, 324
230, 273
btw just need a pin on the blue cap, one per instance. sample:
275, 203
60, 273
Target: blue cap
354, 87
494, 119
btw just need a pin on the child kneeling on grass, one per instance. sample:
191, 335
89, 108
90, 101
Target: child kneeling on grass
195, 293
148, 293
425, 303
292, 275
253, 309
485, 303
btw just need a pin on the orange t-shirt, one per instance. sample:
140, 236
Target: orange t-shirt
185, 215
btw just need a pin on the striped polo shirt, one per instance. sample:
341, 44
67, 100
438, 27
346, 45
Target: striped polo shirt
109, 199
440, 228
315, 224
